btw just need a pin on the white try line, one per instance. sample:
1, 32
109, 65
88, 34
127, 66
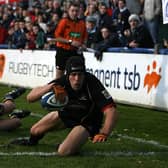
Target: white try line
96, 153
140, 140
36, 115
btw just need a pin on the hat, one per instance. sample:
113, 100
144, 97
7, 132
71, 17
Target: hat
91, 19
75, 64
134, 17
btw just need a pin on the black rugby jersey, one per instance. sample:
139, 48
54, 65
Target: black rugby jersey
85, 105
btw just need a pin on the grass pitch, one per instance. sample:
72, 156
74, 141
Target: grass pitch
140, 140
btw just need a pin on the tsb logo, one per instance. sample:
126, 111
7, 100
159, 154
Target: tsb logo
152, 77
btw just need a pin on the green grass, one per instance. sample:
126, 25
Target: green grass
119, 151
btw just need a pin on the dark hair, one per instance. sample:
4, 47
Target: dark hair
73, 4
123, 1
103, 4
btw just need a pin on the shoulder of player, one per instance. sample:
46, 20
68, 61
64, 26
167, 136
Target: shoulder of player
91, 78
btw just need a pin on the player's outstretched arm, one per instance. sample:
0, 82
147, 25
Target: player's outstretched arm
111, 116
36, 93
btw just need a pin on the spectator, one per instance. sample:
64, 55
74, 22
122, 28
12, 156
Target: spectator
57, 8
3, 33
24, 4
92, 11
30, 40
137, 35
113, 4
53, 21
30, 36
91, 30
104, 20
152, 9
71, 35
40, 37
165, 43
65, 6
5, 20
120, 17
36, 10
10, 38
20, 13
134, 6
110, 39
49, 36
41, 22
82, 9
19, 34
49, 6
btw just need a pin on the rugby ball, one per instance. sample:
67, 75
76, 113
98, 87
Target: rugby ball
49, 102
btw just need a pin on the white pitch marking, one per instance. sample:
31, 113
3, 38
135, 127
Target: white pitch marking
96, 153
37, 115
140, 140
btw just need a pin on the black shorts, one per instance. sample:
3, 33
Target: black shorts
92, 127
62, 56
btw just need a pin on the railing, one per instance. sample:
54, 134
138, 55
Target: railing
112, 49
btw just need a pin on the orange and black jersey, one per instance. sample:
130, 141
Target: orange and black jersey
87, 105
70, 29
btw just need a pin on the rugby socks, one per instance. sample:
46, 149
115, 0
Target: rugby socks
14, 93
33, 140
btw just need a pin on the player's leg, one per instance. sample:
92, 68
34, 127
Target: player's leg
9, 124
59, 73
7, 107
14, 122
14, 94
61, 58
8, 103
47, 123
72, 143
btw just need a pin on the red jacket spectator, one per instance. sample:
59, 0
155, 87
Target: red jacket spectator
3, 34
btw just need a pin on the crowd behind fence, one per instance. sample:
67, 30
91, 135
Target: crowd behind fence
29, 24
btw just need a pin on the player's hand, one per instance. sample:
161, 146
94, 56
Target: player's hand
99, 56
99, 138
60, 93
76, 44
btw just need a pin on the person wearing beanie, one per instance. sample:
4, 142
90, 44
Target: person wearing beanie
88, 102
137, 36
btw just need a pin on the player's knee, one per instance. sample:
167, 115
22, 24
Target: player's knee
36, 130
13, 124
63, 151
39, 129
33, 130
53, 116
17, 122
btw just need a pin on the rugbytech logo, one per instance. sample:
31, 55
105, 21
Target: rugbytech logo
2, 65
152, 77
